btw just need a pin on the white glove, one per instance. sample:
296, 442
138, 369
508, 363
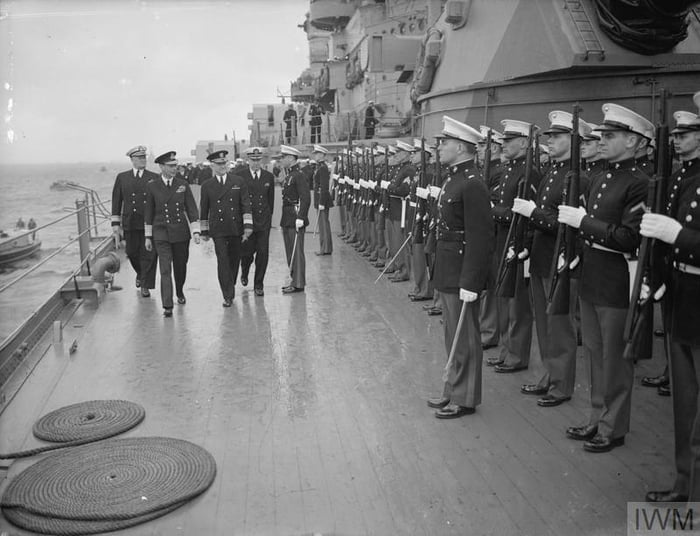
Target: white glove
524, 254
347, 179
196, 238
523, 207
467, 295
356, 186
434, 192
299, 223
117, 235
373, 184
148, 244
571, 216
321, 207
385, 185
363, 184
341, 180
662, 227
422, 192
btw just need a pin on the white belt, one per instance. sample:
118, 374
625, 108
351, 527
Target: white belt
412, 203
687, 268
603, 248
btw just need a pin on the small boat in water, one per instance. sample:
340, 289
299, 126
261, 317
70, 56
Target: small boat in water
14, 247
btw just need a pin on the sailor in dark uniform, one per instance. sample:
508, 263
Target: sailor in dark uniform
225, 215
681, 229
295, 208
128, 205
556, 333
610, 227
322, 199
516, 311
493, 324
261, 187
171, 212
465, 241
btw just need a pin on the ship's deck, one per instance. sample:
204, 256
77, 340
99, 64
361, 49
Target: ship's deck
313, 406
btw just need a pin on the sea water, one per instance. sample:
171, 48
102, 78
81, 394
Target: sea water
27, 193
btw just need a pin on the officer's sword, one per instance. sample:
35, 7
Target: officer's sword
294, 250
394, 257
318, 213
453, 350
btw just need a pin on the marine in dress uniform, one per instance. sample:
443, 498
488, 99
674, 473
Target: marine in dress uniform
322, 199
681, 229
462, 262
261, 187
556, 333
170, 213
422, 286
225, 215
399, 189
610, 227
128, 204
296, 200
379, 253
516, 312
492, 323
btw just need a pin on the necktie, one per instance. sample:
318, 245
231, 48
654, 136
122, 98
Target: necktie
221, 181
168, 183
256, 175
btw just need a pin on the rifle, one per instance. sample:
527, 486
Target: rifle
640, 314
421, 203
507, 276
371, 177
487, 159
349, 192
565, 245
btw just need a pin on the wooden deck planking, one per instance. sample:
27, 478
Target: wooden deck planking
314, 408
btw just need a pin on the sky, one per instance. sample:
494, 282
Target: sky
85, 80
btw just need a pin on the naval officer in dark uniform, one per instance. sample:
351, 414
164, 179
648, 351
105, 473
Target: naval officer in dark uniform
465, 241
296, 200
128, 204
322, 199
681, 229
171, 212
261, 187
610, 227
225, 215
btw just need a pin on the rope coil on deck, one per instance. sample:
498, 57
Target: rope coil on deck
108, 485
83, 423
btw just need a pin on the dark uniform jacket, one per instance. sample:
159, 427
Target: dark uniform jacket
465, 236
169, 209
225, 208
494, 182
321, 180
129, 199
543, 221
262, 197
296, 198
615, 208
398, 189
685, 254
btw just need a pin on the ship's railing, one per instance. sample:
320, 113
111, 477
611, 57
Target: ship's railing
85, 228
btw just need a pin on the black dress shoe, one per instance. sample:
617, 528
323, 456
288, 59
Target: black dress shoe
399, 279
493, 361
664, 390
487, 346
259, 292
453, 411
244, 280
421, 298
659, 332
428, 307
379, 264
549, 401
145, 292
138, 282
603, 444
582, 433
291, 290
181, 300
434, 311
533, 389
227, 302
168, 311
666, 496
507, 369
438, 403
655, 381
